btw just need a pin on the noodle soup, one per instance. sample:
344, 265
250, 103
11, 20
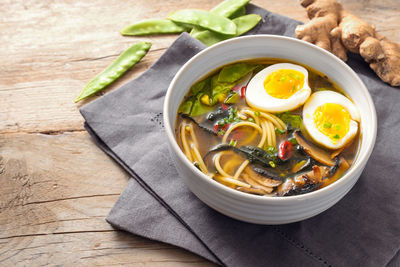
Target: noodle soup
268, 127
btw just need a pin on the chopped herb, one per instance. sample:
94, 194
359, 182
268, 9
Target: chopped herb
293, 141
283, 79
237, 119
327, 125
257, 113
272, 164
221, 132
279, 131
336, 136
293, 88
221, 123
337, 127
251, 120
233, 142
271, 149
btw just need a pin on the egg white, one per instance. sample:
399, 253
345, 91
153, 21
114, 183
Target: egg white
258, 98
320, 98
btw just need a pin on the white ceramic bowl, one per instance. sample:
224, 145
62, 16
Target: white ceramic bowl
261, 209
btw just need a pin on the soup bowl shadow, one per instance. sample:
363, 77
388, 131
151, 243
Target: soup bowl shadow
262, 209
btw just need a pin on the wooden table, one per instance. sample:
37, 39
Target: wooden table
56, 185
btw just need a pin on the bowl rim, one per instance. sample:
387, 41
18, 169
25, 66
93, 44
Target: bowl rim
359, 163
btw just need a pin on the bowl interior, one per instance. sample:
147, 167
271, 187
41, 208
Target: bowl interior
262, 46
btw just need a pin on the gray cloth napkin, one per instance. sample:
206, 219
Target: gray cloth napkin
363, 229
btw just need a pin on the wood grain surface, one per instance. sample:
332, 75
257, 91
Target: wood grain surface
56, 186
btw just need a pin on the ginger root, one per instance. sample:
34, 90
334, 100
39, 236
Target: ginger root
336, 30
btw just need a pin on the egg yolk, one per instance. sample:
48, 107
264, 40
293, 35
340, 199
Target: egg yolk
284, 83
333, 120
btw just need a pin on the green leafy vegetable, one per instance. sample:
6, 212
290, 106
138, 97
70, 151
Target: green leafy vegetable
201, 86
218, 86
199, 108
291, 120
232, 73
185, 107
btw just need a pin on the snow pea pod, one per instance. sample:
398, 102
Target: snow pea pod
243, 25
228, 7
125, 61
205, 20
240, 12
153, 26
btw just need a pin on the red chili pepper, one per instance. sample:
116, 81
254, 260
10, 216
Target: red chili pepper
243, 91
215, 128
285, 150
224, 107
226, 126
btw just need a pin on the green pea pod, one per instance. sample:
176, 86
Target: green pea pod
125, 61
205, 20
243, 25
229, 7
240, 12
153, 26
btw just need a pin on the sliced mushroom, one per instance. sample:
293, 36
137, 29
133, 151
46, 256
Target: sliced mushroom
286, 187
314, 176
337, 152
343, 166
255, 184
266, 181
315, 152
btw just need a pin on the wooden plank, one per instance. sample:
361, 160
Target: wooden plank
90, 249
50, 50
52, 206
56, 191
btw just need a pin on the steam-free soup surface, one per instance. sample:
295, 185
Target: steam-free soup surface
239, 142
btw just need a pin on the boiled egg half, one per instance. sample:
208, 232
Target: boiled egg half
279, 87
331, 119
